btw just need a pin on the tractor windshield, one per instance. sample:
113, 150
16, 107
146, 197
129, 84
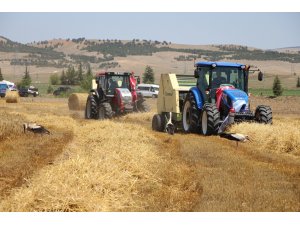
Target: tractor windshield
117, 81
227, 75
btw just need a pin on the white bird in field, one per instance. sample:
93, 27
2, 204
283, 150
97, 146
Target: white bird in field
235, 137
170, 128
35, 128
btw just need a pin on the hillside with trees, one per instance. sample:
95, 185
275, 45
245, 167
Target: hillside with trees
58, 55
47, 53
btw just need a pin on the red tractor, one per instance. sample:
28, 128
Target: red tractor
114, 94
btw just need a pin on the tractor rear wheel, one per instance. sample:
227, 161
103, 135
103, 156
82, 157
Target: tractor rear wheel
191, 115
143, 106
210, 117
158, 122
105, 111
263, 114
91, 108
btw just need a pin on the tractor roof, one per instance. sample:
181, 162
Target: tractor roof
224, 64
113, 73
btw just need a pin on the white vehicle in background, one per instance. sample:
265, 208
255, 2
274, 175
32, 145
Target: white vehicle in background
11, 86
148, 90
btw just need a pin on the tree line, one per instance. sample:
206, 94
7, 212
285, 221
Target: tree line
116, 48
74, 77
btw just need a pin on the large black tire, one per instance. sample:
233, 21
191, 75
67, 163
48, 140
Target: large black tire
91, 108
105, 111
158, 122
190, 115
143, 106
210, 118
263, 114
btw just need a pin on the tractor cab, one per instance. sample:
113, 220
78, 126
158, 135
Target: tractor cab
109, 81
216, 76
116, 88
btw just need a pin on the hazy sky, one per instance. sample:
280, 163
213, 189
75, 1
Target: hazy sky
262, 30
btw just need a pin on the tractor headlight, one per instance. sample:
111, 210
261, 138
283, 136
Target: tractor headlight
213, 65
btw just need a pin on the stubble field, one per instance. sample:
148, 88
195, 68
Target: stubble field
122, 165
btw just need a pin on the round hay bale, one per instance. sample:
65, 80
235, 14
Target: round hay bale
12, 97
77, 101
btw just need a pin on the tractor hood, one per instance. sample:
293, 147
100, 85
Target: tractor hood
238, 98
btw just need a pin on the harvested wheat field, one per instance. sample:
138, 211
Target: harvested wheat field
122, 165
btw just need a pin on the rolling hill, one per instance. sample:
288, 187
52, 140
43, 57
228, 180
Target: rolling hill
52, 56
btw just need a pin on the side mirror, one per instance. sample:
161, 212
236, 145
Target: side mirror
260, 76
196, 75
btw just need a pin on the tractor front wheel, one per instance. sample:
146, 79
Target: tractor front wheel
263, 114
210, 117
105, 111
91, 108
191, 115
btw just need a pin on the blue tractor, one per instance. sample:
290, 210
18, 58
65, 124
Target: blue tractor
220, 98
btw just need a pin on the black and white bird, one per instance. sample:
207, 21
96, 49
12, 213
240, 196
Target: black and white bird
170, 128
35, 128
235, 137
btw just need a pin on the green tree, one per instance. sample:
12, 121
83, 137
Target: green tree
26, 80
148, 76
63, 78
50, 89
79, 74
54, 79
1, 76
298, 82
71, 75
86, 83
277, 88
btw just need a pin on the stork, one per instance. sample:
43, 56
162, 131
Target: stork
235, 137
35, 128
170, 128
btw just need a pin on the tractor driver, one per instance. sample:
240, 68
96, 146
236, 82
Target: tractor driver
217, 81
112, 85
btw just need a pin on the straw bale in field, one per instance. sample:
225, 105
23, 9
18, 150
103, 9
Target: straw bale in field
12, 97
77, 101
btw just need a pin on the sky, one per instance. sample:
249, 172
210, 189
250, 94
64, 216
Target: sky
267, 30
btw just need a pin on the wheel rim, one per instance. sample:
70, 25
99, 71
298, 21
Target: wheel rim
186, 116
204, 122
